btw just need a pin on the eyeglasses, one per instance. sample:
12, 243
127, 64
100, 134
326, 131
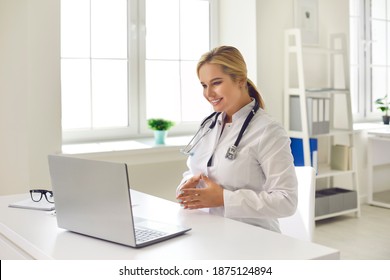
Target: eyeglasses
36, 195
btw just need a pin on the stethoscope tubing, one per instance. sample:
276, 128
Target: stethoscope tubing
187, 149
232, 151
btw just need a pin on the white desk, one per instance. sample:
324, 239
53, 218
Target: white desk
378, 154
33, 234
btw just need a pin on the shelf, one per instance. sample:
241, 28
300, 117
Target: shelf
315, 114
325, 94
345, 212
325, 51
326, 90
331, 201
317, 93
333, 132
325, 171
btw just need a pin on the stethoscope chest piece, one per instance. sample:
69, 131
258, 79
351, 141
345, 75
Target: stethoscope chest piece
231, 153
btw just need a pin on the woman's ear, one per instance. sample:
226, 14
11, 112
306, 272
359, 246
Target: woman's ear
243, 83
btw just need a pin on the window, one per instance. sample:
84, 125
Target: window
370, 55
380, 48
124, 61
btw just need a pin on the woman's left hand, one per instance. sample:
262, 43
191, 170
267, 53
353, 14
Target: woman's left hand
196, 198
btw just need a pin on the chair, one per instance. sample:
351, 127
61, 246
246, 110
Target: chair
301, 224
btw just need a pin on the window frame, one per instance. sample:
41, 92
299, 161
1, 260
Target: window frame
137, 123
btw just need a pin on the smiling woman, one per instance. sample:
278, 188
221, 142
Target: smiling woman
252, 180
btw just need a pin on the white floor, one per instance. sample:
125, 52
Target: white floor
364, 238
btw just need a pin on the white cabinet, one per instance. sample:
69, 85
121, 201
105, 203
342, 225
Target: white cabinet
9, 251
378, 155
319, 122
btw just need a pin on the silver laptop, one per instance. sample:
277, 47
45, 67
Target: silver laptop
93, 198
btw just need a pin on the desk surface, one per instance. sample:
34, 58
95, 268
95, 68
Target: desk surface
36, 235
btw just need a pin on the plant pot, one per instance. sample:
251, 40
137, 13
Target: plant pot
386, 119
160, 136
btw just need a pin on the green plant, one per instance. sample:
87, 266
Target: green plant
160, 124
383, 104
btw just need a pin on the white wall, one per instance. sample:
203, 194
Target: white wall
29, 92
238, 28
273, 17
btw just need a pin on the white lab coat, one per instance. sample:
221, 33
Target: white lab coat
260, 185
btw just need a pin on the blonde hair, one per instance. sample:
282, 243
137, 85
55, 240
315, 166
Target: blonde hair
233, 64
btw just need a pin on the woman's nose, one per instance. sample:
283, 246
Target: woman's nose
208, 92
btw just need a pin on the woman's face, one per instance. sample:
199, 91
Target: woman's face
224, 94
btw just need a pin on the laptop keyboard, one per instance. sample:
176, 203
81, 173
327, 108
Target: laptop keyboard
143, 235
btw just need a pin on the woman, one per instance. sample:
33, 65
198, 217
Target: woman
252, 180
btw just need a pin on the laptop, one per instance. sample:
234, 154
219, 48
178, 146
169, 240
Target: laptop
93, 198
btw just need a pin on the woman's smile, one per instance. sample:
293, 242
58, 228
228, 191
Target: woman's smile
215, 102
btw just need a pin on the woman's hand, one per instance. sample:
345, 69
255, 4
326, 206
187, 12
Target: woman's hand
191, 197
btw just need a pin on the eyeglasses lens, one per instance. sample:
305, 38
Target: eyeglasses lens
36, 196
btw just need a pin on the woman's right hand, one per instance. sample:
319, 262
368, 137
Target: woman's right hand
191, 197
190, 183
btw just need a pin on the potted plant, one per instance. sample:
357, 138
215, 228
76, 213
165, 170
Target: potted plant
160, 128
383, 105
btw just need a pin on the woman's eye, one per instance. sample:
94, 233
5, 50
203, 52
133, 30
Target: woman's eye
217, 83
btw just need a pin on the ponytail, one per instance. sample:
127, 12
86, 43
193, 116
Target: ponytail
254, 93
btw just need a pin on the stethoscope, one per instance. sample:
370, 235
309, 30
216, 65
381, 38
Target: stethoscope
232, 150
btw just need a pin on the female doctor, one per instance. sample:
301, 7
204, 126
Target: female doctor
240, 164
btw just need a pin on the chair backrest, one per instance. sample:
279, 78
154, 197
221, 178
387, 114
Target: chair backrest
301, 224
